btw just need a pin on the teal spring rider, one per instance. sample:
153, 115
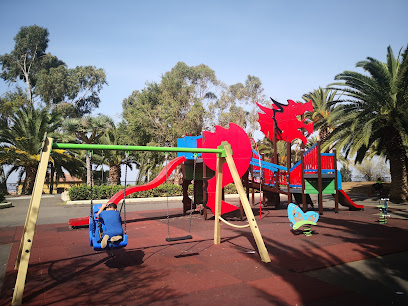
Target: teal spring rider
383, 207
298, 219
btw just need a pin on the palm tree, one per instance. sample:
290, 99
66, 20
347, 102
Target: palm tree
88, 130
21, 142
374, 115
9, 103
322, 100
114, 159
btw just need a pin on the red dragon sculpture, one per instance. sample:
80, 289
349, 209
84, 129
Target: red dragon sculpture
242, 152
285, 119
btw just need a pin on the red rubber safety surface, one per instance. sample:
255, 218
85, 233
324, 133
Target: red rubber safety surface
64, 269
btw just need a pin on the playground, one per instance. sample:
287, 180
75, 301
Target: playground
305, 241
350, 259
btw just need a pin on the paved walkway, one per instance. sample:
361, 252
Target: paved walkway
349, 259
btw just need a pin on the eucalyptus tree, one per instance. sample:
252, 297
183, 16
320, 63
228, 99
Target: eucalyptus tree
88, 130
47, 79
28, 58
373, 115
183, 91
21, 143
73, 92
163, 112
236, 103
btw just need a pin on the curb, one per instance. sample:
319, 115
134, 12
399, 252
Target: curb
6, 205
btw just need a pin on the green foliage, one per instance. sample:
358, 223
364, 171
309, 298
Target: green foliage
265, 147
323, 109
88, 130
28, 55
83, 192
372, 115
230, 189
236, 103
164, 111
75, 92
21, 142
346, 174
372, 168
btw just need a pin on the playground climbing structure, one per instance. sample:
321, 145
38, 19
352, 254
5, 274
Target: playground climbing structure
315, 173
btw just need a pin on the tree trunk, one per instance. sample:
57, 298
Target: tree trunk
31, 172
398, 169
178, 176
52, 173
88, 170
3, 181
114, 174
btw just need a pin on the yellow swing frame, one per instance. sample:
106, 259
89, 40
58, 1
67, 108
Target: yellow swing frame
224, 154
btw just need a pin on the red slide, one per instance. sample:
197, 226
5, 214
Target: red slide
345, 200
160, 179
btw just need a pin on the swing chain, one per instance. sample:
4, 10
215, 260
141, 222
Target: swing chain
124, 191
91, 191
194, 197
167, 200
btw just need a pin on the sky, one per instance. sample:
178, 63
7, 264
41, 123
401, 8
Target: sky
292, 46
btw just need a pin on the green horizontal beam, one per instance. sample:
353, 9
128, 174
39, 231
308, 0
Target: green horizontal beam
75, 146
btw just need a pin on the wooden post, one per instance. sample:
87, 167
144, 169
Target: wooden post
261, 175
253, 182
288, 164
319, 177
275, 158
247, 208
26, 242
246, 175
205, 194
218, 199
336, 195
302, 175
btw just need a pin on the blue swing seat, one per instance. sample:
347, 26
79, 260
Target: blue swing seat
94, 238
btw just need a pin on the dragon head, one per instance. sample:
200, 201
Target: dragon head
285, 119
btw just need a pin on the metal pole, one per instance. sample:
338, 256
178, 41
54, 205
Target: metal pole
133, 148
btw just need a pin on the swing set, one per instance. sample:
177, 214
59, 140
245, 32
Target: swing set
97, 228
223, 153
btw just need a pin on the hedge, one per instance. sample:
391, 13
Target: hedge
101, 192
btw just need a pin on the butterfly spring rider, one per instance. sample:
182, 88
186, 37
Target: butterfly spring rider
300, 219
383, 207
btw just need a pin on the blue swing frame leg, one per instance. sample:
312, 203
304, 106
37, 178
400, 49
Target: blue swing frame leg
94, 238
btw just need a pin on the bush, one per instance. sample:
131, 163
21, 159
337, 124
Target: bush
230, 189
83, 192
102, 192
346, 174
2, 197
